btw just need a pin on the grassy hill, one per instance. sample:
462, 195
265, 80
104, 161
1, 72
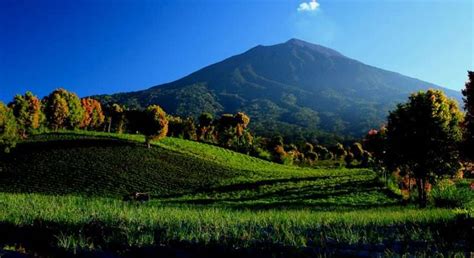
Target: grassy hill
177, 170
63, 191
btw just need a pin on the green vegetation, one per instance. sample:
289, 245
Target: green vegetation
450, 195
204, 196
287, 89
423, 136
8, 129
468, 94
90, 190
98, 223
28, 113
63, 110
116, 164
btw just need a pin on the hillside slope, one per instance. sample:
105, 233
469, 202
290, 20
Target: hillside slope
178, 171
292, 88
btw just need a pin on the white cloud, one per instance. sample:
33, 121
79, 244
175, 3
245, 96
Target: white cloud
308, 6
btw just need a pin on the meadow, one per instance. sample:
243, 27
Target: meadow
64, 191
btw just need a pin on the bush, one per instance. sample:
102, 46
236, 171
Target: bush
449, 195
262, 154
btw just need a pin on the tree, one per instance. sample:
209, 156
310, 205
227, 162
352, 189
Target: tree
349, 158
357, 150
28, 113
181, 128
225, 132
156, 127
309, 154
93, 116
63, 109
115, 118
205, 129
56, 111
468, 93
323, 152
422, 138
243, 139
338, 150
374, 142
8, 128
242, 121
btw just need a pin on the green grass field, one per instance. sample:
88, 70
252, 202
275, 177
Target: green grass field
68, 187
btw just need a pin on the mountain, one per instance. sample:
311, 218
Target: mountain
295, 88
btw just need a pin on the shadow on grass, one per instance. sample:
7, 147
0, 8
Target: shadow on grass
42, 238
287, 194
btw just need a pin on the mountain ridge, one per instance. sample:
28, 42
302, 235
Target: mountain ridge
293, 88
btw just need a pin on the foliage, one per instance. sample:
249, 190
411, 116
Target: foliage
357, 150
349, 158
63, 109
206, 129
374, 142
182, 128
366, 159
323, 152
28, 113
115, 118
93, 115
338, 150
156, 126
422, 138
468, 93
8, 129
449, 195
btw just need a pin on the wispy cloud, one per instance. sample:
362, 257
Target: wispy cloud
308, 6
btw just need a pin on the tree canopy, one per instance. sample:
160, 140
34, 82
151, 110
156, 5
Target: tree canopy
156, 126
63, 109
28, 113
423, 136
468, 94
8, 128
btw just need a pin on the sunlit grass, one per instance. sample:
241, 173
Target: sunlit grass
72, 184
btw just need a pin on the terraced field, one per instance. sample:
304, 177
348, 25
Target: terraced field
64, 191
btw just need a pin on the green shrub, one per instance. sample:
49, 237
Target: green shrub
262, 153
449, 195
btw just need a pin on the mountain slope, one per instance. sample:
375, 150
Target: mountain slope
290, 88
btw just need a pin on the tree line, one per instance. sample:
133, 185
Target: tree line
64, 110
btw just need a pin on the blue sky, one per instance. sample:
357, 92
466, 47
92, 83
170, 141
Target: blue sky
107, 46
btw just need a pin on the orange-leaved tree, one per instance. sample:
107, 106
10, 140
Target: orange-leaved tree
93, 116
156, 126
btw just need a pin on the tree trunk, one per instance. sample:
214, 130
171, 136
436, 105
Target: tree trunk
110, 125
148, 142
421, 192
409, 187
